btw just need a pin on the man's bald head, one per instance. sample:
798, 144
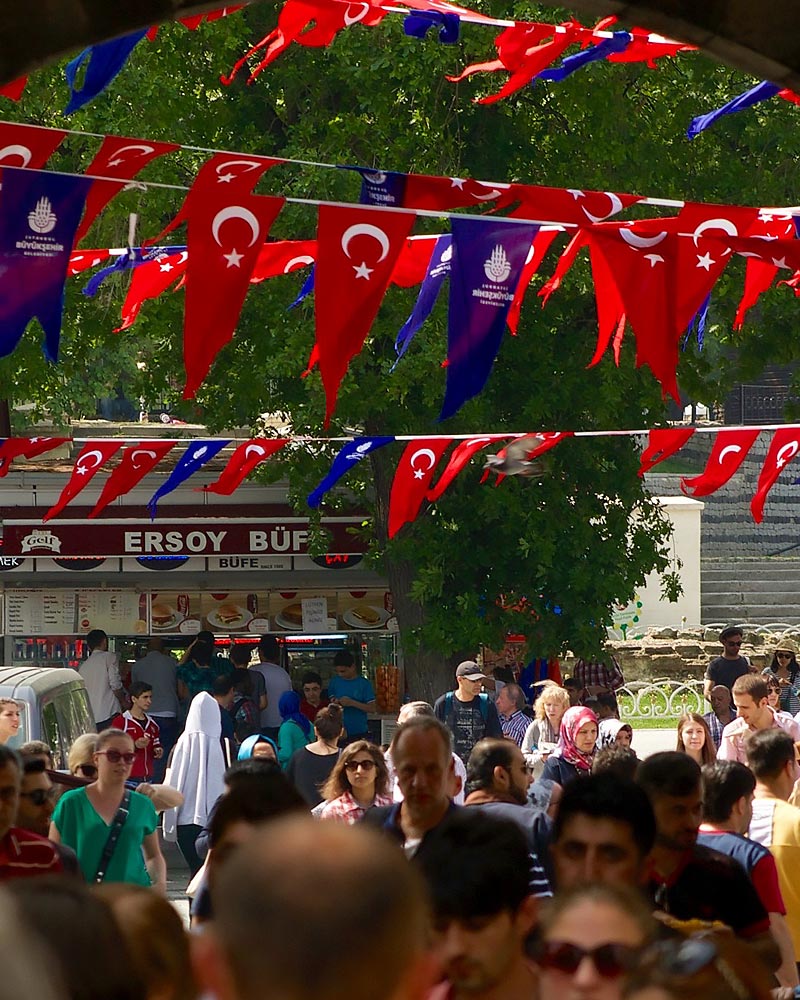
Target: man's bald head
318, 911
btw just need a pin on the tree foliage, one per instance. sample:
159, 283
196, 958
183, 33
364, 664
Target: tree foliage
546, 558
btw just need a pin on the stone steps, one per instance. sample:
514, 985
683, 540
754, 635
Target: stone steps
760, 591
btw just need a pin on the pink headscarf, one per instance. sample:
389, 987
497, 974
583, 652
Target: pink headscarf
574, 719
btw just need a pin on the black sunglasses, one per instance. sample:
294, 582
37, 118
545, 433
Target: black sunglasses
39, 795
610, 960
87, 770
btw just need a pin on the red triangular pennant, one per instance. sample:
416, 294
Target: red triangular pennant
412, 479
783, 448
459, 459
727, 454
137, 460
663, 442
245, 458
92, 456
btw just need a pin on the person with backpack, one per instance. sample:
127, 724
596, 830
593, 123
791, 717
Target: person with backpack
467, 712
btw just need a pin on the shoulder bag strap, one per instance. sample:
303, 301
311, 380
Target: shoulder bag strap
113, 836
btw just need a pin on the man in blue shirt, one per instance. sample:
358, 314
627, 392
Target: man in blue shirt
354, 693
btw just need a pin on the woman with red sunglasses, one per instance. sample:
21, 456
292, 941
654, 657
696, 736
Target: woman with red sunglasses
590, 940
111, 829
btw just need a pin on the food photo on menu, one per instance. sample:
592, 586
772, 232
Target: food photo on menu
364, 609
236, 612
171, 613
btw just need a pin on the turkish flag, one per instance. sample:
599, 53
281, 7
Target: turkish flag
228, 174
245, 458
760, 274
580, 208
412, 478
727, 454
283, 257
442, 193
28, 448
357, 251
412, 264
643, 49
224, 240
663, 442
137, 460
313, 23
118, 156
82, 261
91, 457
14, 89
151, 279
541, 244
512, 46
783, 448
28, 145
565, 262
459, 459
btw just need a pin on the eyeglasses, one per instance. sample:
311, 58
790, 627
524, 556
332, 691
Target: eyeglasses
39, 795
355, 765
733, 642
783, 656
115, 756
610, 960
87, 770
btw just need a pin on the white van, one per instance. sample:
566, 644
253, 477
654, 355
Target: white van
55, 707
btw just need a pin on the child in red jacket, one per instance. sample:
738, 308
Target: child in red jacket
142, 730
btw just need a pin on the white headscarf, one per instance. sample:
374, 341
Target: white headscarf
198, 766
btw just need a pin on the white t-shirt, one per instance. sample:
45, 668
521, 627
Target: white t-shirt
100, 672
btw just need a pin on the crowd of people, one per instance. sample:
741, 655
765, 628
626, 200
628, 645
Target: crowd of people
495, 849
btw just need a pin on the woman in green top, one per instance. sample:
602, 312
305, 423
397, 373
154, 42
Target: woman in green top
83, 818
295, 731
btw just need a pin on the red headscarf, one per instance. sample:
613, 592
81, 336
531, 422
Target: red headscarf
575, 719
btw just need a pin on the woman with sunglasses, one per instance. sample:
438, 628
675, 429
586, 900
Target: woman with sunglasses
80, 759
785, 670
84, 818
590, 939
358, 781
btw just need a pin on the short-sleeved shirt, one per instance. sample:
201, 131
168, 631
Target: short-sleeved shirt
776, 825
86, 832
710, 886
359, 689
466, 721
196, 678
734, 736
725, 672
276, 683
754, 858
161, 671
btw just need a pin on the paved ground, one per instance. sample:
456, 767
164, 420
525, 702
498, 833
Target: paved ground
647, 741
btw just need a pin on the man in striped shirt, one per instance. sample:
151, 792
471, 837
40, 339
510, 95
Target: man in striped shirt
509, 704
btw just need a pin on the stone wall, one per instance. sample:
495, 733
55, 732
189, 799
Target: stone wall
681, 654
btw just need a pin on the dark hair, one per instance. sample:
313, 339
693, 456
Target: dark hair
344, 658
240, 655
311, 677
475, 866
338, 783
223, 684
33, 765
243, 681
328, 722
82, 935
570, 682
243, 770
607, 701
724, 783
268, 648
606, 796
767, 751
668, 773
36, 748
622, 762
259, 797
205, 635
202, 653
730, 630
10, 756
95, 637
753, 684
487, 754
138, 688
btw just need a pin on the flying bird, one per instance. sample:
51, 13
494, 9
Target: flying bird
513, 459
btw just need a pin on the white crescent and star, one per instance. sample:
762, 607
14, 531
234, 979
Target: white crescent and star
365, 229
725, 225
300, 261
731, 448
419, 473
82, 468
355, 18
15, 150
786, 453
616, 206
228, 177
141, 451
255, 449
234, 258
641, 242
142, 149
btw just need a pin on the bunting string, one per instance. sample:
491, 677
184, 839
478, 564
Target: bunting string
521, 454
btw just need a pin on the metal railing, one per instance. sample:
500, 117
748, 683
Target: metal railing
660, 699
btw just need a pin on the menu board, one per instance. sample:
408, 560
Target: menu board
364, 610
286, 610
172, 613
118, 612
37, 612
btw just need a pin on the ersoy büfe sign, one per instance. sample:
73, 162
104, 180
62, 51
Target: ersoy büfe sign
201, 538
